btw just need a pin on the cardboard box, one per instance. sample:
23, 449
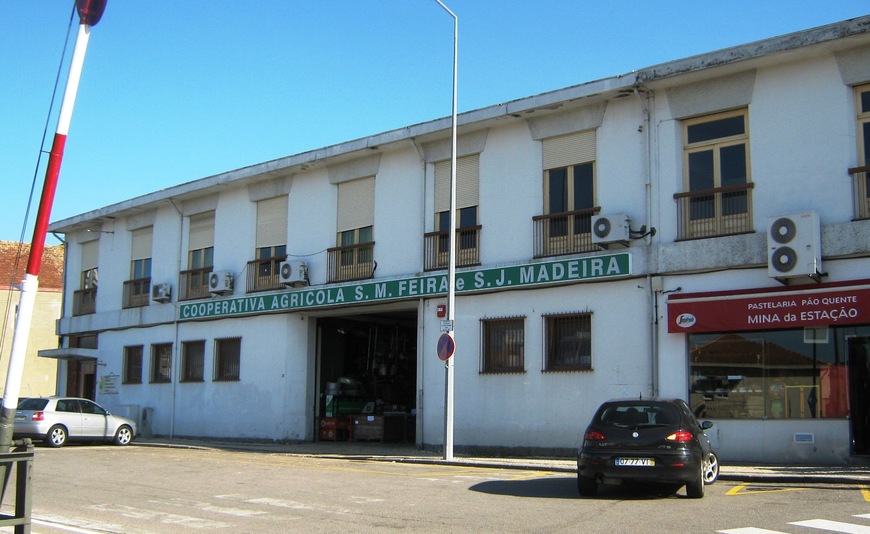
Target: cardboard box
367, 427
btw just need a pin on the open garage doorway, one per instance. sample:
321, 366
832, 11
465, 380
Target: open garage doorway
367, 377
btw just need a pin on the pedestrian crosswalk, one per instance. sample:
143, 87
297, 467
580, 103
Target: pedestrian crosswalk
824, 525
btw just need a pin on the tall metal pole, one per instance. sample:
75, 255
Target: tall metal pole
90, 12
451, 270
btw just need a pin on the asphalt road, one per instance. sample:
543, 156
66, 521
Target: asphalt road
105, 489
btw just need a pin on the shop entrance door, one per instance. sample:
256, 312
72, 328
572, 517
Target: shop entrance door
859, 393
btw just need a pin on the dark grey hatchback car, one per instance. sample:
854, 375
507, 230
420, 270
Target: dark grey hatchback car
652, 440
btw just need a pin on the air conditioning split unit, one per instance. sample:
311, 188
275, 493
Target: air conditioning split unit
794, 247
611, 229
220, 282
161, 292
293, 273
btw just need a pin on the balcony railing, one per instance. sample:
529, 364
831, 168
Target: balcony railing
137, 293
714, 212
564, 233
351, 262
85, 301
263, 275
193, 283
437, 248
861, 191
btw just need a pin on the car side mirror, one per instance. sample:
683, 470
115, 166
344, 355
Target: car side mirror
706, 425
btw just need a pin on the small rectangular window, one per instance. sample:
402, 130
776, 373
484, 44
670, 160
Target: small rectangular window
503, 345
228, 359
161, 363
133, 365
192, 361
569, 342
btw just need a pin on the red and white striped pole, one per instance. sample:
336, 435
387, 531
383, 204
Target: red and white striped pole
90, 12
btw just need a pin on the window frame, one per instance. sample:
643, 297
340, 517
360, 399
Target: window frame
508, 362
161, 363
192, 371
221, 371
130, 376
550, 323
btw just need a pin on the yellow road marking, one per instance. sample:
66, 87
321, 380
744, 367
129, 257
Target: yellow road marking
744, 489
865, 492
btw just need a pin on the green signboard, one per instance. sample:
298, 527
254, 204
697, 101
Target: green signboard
370, 291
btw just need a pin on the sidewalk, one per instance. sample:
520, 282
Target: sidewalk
398, 452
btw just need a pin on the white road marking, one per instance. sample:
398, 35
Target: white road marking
160, 517
833, 526
749, 530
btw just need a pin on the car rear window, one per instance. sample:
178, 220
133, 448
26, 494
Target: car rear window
32, 404
636, 414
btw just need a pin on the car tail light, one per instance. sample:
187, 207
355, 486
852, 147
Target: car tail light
37, 416
680, 436
594, 435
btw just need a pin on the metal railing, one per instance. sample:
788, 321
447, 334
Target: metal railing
193, 283
84, 301
437, 248
351, 262
861, 191
137, 293
264, 274
564, 233
714, 212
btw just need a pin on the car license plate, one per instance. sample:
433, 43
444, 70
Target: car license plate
636, 462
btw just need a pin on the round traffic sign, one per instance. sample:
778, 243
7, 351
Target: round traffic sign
446, 346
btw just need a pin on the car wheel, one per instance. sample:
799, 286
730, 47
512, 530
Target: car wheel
124, 435
56, 436
587, 486
695, 488
711, 468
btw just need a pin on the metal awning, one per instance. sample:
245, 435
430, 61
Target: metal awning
69, 354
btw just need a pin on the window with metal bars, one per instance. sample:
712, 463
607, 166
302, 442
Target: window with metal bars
503, 345
192, 361
228, 354
133, 365
568, 342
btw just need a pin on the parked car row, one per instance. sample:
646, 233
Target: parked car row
57, 420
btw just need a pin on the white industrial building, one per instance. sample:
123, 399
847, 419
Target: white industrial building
696, 229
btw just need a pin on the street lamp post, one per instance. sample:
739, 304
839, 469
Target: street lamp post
451, 269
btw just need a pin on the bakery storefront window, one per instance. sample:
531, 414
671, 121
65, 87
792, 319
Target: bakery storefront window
798, 373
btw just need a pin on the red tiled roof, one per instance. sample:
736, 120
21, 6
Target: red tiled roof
13, 266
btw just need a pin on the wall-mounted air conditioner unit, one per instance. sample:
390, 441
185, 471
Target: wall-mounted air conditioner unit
794, 247
293, 273
220, 282
611, 229
161, 292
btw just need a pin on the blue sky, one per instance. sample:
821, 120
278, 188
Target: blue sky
176, 91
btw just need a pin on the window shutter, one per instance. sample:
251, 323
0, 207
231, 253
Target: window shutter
569, 149
142, 243
356, 204
272, 222
90, 255
201, 231
467, 183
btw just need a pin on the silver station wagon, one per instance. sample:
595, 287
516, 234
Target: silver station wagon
57, 420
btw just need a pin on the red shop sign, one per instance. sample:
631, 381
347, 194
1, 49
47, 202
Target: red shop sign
809, 306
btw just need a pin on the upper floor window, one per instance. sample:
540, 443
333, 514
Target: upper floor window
138, 287
503, 345
717, 199
569, 195
467, 223
85, 298
569, 342
200, 257
271, 245
353, 257
861, 184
